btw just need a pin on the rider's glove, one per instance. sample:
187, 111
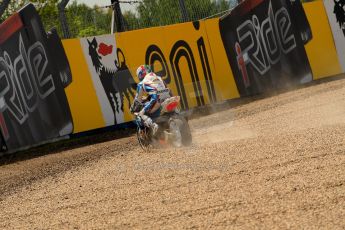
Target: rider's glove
141, 113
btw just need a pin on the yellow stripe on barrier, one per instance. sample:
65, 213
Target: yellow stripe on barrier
224, 79
321, 50
81, 95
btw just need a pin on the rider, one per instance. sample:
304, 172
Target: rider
152, 85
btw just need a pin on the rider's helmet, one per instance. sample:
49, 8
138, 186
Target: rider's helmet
142, 71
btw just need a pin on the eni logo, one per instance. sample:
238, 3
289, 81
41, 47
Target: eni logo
182, 50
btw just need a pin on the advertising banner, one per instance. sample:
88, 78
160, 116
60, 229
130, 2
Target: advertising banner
33, 104
336, 16
183, 56
112, 81
264, 41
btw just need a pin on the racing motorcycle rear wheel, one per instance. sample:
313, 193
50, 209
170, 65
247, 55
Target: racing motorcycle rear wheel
180, 129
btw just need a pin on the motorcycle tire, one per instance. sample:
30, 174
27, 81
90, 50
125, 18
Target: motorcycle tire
182, 129
185, 133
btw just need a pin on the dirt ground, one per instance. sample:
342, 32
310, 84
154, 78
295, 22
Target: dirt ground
276, 162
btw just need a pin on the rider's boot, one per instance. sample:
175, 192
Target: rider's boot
154, 128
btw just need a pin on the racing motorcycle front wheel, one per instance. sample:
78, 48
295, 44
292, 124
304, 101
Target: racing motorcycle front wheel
144, 137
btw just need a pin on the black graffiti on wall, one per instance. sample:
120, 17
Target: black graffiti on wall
153, 55
33, 104
20, 89
207, 70
181, 50
264, 41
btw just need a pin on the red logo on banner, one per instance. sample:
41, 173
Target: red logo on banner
242, 64
104, 49
3, 127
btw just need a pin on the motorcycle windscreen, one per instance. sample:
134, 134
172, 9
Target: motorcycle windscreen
33, 103
265, 47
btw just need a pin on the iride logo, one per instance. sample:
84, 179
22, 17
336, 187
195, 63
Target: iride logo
262, 45
24, 80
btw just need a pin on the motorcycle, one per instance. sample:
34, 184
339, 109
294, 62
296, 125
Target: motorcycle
173, 131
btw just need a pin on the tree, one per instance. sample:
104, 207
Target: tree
85, 21
46, 9
165, 12
82, 20
10, 6
158, 12
3, 7
131, 21
199, 9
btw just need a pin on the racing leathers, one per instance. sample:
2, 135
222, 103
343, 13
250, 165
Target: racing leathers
155, 88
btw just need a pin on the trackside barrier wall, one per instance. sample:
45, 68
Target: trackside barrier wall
260, 46
182, 54
190, 57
